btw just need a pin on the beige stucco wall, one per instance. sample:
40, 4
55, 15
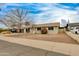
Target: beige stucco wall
54, 31
35, 31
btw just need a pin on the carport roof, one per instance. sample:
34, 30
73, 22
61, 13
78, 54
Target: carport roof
74, 24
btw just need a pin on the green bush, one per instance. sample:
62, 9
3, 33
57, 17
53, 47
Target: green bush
2, 30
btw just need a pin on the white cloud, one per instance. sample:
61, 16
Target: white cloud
55, 14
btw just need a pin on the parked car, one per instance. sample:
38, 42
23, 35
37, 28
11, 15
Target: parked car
75, 30
14, 30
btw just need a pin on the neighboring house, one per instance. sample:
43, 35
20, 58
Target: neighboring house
74, 27
52, 28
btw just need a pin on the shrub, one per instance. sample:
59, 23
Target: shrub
2, 30
6, 32
44, 31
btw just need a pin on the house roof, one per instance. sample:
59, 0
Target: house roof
74, 24
47, 25
43, 25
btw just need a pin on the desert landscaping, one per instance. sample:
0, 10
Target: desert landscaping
61, 37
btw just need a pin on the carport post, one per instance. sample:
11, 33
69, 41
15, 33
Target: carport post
24, 30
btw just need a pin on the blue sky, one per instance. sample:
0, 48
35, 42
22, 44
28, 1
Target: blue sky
46, 12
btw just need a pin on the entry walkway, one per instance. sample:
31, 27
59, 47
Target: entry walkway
73, 36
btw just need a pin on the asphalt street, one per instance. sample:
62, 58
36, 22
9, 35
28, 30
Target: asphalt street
13, 49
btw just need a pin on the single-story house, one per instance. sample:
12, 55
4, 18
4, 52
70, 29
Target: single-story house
73, 25
52, 28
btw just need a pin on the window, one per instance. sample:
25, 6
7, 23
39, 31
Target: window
50, 28
61, 27
27, 29
39, 28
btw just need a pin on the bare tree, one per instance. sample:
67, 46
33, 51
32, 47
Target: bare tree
3, 22
15, 17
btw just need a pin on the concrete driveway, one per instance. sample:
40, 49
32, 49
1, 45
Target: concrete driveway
12, 49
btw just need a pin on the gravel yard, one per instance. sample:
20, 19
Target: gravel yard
47, 37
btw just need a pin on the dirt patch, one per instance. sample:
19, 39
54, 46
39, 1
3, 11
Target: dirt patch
47, 37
